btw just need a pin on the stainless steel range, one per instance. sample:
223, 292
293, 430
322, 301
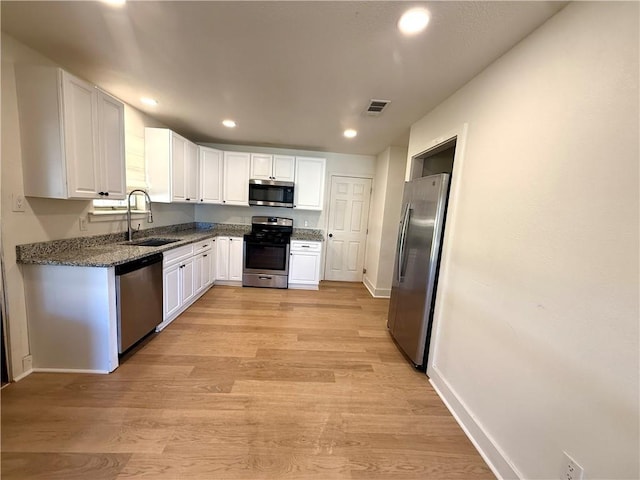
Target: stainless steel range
266, 252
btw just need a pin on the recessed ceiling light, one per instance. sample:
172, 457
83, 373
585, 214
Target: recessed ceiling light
229, 123
152, 102
414, 21
115, 3
350, 133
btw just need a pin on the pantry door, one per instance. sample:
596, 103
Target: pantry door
347, 229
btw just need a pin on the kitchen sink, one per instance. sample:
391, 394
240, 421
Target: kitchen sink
152, 242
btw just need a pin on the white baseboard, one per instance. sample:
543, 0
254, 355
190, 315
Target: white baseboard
68, 370
23, 375
493, 455
303, 286
376, 292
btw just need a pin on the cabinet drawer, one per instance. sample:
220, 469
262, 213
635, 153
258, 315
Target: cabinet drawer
203, 246
176, 255
302, 246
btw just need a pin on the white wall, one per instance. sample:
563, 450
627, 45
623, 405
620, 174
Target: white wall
46, 219
383, 220
337, 164
537, 309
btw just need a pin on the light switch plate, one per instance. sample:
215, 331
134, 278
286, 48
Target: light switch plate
17, 202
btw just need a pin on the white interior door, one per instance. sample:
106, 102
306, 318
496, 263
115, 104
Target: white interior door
347, 232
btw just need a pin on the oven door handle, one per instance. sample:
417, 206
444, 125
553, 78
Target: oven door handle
265, 277
265, 244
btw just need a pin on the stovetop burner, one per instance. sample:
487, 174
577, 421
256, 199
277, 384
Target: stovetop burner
274, 230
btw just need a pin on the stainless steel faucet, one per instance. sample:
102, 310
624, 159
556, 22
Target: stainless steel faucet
147, 201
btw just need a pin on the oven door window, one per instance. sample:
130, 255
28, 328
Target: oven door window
266, 257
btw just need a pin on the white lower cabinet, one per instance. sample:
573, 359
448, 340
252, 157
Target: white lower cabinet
304, 267
186, 273
204, 266
229, 253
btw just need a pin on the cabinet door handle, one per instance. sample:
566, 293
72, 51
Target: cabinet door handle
305, 246
204, 255
106, 194
331, 235
205, 246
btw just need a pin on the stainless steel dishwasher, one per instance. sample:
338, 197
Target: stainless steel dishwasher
138, 299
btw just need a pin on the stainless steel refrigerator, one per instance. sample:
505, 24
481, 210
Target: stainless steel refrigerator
416, 266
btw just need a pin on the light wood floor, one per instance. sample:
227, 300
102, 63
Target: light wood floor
247, 384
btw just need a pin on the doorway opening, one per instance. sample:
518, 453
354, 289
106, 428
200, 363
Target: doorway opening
3, 317
419, 251
438, 159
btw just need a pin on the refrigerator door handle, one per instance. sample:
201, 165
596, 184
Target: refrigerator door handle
402, 242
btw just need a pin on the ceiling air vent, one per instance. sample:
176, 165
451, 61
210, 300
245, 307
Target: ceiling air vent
377, 106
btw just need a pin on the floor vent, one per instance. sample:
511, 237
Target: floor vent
377, 106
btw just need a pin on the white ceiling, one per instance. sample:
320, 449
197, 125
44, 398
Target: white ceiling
292, 74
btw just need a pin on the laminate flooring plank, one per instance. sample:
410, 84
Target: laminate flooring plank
52, 466
237, 466
246, 384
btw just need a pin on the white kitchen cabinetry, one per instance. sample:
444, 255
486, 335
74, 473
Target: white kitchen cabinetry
210, 175
192, 172
72, 318
172, 166
229, 263
236, 252
186, 276
304, 267
203, 255
309, 183
72, 136
236, 179
272, 167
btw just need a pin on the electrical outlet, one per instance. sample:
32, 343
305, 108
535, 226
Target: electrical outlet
573, 471
82, 222
17, 202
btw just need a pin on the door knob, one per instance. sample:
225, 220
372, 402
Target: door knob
331, 235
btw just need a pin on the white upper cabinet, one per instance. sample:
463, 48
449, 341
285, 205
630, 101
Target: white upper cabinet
261, 166
210, 175
272, 167
236, 178
193, 172
72, 136
284, 168
309, 183
172, 166
111, 142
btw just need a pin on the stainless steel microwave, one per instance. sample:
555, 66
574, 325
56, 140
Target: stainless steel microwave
270, 193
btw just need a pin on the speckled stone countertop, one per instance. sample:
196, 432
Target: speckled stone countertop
112, 249
307, 234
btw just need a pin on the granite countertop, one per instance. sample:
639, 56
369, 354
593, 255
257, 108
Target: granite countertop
112, 249
307, 234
